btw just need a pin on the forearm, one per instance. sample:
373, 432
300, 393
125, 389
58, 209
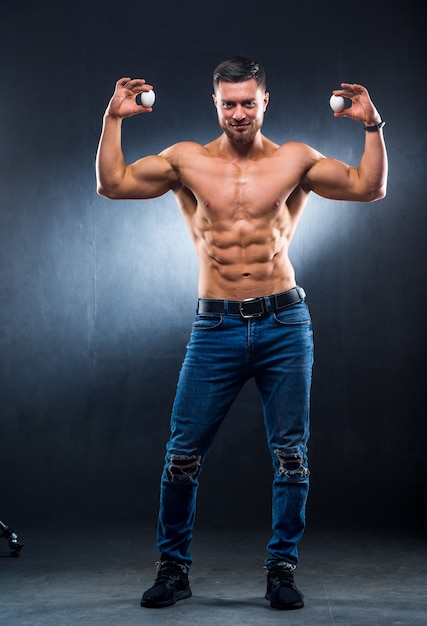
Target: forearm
110, 162
373, 166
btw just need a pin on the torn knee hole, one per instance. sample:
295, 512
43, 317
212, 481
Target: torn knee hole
290, 464
181, 467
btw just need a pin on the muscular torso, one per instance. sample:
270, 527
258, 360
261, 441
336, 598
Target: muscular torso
241, 214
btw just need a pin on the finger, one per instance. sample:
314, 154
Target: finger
356, 86
350, 85
354, 90
349, 88
137, 83
122, 81
134, 86
145, 87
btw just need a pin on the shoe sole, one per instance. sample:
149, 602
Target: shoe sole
179, 595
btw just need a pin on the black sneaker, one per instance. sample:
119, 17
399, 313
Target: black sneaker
281, 589
170, 585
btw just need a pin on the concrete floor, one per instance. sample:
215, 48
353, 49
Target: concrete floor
91, 575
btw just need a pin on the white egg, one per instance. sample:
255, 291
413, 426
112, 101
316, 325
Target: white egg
147, 98
336, 103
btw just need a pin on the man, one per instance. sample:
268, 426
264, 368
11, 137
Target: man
241, 196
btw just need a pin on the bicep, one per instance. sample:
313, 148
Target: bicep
149, 177
333, 179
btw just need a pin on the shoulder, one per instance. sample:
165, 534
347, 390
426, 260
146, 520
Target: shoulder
299, 149
181, 158
303, 158
182, 149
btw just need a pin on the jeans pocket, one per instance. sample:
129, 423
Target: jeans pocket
297, 314
207, 322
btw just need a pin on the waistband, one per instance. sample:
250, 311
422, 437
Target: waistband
253, 307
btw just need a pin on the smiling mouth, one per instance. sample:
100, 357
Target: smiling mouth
240, 126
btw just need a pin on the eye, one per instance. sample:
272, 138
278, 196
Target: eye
250, 104
227, 105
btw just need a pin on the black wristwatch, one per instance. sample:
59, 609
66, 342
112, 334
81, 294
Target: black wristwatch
375, 128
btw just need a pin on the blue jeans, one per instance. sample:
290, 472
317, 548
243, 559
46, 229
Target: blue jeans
223, 353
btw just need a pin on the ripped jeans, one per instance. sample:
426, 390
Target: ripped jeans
223, 353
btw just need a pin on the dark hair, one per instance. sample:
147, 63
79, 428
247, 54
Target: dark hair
237, 69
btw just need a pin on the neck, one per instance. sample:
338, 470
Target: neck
252, 149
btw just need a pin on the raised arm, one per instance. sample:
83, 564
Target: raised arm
148, 177
334, 179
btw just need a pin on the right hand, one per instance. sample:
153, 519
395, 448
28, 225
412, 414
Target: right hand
122, 103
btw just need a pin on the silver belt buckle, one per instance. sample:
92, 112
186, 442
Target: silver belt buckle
251, 315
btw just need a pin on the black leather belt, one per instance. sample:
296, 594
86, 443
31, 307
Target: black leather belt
252, 307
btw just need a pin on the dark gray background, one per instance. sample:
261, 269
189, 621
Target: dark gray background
97, 296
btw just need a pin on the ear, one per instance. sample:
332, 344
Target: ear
266, 100
214, 99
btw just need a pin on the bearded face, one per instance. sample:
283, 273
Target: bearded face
240, 107
241, 133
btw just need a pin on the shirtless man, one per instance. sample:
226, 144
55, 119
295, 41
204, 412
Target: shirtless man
241, 197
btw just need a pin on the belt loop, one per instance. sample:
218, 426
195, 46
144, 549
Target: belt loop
267, 304
301, 292
225, 307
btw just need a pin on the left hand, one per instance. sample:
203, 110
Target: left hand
362, 108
